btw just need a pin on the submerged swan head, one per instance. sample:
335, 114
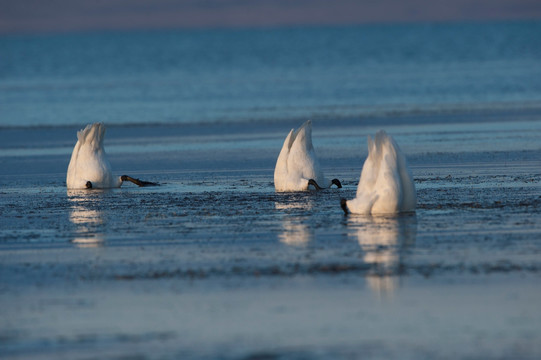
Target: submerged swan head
297, 166
89, 167
386, 184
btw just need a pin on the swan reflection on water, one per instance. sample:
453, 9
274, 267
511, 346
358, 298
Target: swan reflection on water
88, 219
384, 241
294, 231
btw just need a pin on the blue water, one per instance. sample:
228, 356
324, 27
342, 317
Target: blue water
214, 264
198, 76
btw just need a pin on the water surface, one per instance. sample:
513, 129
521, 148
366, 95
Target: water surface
228, 76
213, 263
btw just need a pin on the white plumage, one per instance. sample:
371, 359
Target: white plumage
386, 184
89, 167
297, 166
89, 162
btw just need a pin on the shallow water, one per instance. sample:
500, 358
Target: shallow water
214, 264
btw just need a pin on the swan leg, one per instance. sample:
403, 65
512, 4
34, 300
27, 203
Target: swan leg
314, 184
137, 181
337, 183
88, 185
343, 204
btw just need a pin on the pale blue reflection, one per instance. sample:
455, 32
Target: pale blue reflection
87, 218
295, 232
383, 241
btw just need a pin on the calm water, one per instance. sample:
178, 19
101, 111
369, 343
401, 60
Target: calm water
213, 264
238, 75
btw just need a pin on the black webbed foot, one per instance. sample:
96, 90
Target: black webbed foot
314, 184
88, 185
343, 204
137, 181
337, 183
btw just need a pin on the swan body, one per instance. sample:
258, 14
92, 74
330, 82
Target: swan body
89, 161
297, 166
89, 167
386, 184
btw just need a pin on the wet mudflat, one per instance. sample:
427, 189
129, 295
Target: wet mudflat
214, 264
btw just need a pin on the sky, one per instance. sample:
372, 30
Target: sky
36, 16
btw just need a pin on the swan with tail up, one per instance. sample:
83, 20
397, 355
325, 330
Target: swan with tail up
89, 167
297, 166
386, 185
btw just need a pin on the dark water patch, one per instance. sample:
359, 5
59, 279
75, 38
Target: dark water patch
426, 270
330, 269
530, 204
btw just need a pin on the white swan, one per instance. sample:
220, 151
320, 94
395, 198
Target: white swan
386, 185
297, 166
89, 167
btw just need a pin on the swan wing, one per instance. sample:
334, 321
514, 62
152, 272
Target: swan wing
71, 177
409, 194
280, 170
302, 158
370, 169
387, 184
388, 188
